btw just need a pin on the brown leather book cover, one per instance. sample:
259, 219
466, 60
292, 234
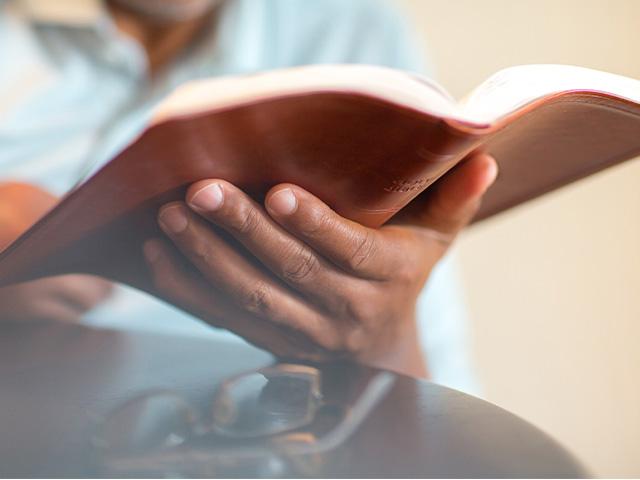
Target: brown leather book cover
367, 148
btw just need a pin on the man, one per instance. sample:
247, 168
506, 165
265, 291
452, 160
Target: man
79, 83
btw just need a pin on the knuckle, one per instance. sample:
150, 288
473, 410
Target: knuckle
317, 222
406, 273
256, 299
244, 219
355, 339
331, 344
362, 307
359, 312
328, 341
363, 252
301, 266
202, 252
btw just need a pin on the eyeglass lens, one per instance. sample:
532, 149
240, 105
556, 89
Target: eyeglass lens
265, 403
156, 421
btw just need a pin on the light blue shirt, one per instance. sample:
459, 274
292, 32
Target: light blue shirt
74, 91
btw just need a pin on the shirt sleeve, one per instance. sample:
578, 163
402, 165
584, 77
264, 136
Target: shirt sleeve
443, 326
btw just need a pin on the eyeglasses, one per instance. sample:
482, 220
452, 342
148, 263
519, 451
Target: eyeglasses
258, 423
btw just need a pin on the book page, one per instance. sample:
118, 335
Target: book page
515, 87
404, 88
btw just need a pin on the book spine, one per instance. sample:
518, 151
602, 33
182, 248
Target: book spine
437, 148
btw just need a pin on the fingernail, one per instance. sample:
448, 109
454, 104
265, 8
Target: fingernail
208, 198
492, 174
173, 220
283, 202
151, 251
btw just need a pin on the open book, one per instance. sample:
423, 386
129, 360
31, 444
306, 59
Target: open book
366, 140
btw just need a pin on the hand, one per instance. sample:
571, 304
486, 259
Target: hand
21, 205
63, 298
300, 280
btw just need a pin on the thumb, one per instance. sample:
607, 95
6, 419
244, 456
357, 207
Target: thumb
452, 202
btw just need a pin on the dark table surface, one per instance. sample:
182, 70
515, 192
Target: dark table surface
56, 380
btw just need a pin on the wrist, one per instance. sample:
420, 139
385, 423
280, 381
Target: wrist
403, 355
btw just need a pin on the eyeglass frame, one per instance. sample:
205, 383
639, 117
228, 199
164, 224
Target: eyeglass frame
285, 446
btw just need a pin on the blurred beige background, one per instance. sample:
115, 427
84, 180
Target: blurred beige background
553, 286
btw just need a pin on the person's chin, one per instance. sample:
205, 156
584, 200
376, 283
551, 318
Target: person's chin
169, 11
